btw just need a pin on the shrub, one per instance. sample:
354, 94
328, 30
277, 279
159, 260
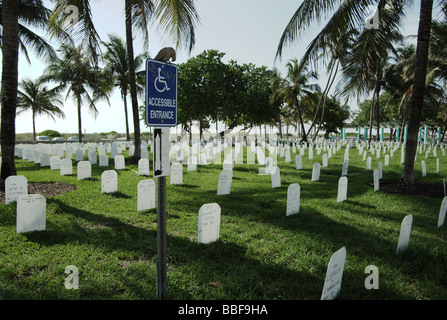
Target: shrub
50, 133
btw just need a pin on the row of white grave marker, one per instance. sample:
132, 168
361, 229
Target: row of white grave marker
32, 208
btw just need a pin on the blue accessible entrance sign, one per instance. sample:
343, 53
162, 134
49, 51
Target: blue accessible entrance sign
161, 93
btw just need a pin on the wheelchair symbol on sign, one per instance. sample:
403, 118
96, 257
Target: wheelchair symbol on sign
160, 82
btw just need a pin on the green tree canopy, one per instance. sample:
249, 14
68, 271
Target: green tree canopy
211, 90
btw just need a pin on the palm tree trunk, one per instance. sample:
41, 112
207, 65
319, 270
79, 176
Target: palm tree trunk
328, 87
34, 125
132, 84
378, 85
10, 52
78, 98
126, 116
417, 98
329, 83
404, 121
378, 117
304, 137
371, 117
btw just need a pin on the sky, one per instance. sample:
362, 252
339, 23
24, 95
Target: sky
245, 30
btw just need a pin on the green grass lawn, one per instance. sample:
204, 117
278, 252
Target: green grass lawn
261, 253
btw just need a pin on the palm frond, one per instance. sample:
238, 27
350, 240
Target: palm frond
177, 19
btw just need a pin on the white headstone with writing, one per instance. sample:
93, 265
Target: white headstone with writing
109, 181
103, 160
55, 162
143, 167
79, 155
146, 195
119, 162
334, 275
224, 185
84, 170
31, 213
293, 199
404, 235
15, 187
93, 157
342, 189
66, 167
209, 223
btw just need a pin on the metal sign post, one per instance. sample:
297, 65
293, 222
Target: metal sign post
161, 238
161, 112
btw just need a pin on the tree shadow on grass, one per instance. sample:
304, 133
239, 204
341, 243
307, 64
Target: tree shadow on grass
227, 262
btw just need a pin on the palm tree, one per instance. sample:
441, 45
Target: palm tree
349, 15
117, 64
295, 88
35, 97
15, 16
85, 82
32, 13
10, 49
177, 19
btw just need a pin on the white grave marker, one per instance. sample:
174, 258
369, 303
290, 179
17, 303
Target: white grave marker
15, 187
192, 163
84, 170
66, 167
44, 160
176, 173
334, 275
225, 178
376, 180
298, 162
109, 181
442, 212
293, 199
404, 235
55, 162
344, 170
143, 167
103, 160
342, 189
209, 223
368, 163
79, 155
93, 157
325, 162
424, 168
31, 213
119, 162
276, 177
146, 195
316, 172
